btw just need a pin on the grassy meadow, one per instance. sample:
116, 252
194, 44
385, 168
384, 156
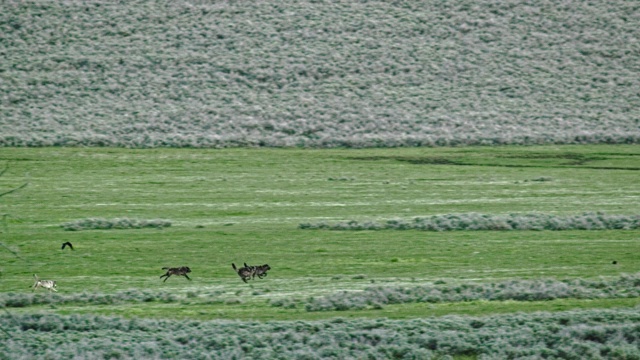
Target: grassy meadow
246, 205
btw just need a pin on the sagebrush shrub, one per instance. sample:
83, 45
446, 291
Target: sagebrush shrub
589, 334
475, 221
117, 223
282, 87
627, 285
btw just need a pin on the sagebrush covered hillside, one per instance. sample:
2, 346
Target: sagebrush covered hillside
318, 73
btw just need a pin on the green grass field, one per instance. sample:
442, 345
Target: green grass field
245, 205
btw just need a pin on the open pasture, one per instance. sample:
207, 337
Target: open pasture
245, 205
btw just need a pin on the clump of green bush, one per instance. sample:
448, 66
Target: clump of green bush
520, 290
117, 223
475, 221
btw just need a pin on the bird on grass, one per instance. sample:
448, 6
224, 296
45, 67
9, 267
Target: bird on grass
67, 244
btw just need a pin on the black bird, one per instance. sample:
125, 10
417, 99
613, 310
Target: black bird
67, 244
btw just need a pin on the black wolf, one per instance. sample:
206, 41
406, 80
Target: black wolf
250, 272
245, 272
183, 271
260, 271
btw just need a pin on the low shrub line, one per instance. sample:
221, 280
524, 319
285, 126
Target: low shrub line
132, 295
627, 285
475, 221
579, 334
117, 223
195, 137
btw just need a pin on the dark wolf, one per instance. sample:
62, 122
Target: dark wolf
261, 270
245, 272
182, 271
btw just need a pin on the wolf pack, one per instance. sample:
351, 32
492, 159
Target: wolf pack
247, 272
250, 272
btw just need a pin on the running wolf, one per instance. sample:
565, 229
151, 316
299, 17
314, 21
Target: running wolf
182, 271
